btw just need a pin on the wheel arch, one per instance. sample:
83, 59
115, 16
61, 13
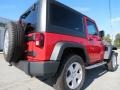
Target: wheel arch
62, 49
108, 51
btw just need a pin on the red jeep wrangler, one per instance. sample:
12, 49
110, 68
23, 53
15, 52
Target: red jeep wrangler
53, 40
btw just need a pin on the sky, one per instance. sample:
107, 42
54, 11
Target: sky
95, 9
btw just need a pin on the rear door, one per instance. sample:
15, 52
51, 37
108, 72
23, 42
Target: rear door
95, 45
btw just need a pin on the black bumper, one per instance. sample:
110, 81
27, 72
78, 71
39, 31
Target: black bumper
41, 69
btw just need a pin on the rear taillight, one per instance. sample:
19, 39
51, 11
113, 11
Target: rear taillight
39, 40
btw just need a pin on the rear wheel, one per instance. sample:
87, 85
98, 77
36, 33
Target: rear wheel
6, 43
13, 42
112, 64
72, 74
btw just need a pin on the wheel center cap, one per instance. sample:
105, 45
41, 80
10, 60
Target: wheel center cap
74, 74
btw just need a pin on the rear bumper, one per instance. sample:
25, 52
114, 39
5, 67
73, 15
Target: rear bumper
41, 69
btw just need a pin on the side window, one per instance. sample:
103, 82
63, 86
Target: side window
91, 28
65, 18
31, 16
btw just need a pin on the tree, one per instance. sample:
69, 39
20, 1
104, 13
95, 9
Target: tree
117, 40
108, 39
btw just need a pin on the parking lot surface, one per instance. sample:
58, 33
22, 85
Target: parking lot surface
12, 78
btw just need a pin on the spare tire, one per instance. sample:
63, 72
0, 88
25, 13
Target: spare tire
13, 42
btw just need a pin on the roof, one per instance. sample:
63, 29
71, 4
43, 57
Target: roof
68, 7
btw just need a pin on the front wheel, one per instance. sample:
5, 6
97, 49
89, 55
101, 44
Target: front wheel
72, 74
112, 65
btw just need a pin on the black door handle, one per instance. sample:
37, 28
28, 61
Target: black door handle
90, 39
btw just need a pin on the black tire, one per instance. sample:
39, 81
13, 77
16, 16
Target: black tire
61, 83
112, 64
15, 48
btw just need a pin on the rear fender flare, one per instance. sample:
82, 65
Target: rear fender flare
61, 46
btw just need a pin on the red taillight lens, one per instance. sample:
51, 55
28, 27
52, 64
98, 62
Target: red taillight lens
39, 40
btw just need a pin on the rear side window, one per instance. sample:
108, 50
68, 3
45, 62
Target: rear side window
30, 17
65, 18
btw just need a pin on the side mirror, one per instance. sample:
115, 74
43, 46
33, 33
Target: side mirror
102, 34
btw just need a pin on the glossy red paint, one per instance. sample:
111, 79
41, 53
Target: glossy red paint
43, 54
94, 47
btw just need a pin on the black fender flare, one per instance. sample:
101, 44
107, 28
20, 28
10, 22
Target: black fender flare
61, 46
108, 51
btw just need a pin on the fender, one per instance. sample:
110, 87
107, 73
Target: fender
61, 46
108, 51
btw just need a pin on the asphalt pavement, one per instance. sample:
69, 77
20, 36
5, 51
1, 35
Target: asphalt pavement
12, 78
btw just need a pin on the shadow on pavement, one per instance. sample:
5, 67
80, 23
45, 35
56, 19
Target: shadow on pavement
93, 74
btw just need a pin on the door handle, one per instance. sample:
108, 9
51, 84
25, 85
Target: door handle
99, 39
90, 39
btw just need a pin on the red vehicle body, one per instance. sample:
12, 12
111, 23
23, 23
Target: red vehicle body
60, 42
95, 47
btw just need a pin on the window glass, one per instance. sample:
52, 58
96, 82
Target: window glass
66, 18
91, 28
31, 15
